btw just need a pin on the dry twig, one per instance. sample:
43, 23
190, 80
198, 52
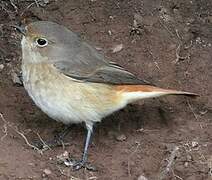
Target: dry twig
45, 146
189, 105
170, 162
175, 175
37, 3
3, 8
4, 128
154, 59
14, 6
7, 124
168, 30
178, 57
29, 6
128, 162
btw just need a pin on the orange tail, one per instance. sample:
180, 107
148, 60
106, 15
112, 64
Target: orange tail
136, 92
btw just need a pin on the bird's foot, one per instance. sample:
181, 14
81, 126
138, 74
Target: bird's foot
77, 165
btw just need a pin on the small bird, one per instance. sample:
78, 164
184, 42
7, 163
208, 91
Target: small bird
72, 82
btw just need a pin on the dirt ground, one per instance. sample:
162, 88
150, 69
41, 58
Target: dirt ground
168, 43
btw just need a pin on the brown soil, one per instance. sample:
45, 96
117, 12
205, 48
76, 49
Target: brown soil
166, 42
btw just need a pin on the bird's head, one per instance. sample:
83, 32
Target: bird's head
43, 40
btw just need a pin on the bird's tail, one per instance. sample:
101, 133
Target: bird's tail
136, 92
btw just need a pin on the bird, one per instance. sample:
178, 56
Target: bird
73, 83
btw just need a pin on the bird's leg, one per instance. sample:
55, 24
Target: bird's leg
57, 141
83, 162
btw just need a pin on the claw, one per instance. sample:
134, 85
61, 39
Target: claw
79, 165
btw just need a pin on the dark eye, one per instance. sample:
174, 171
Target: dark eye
41, 42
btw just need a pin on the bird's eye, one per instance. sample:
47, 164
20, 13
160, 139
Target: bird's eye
41, 42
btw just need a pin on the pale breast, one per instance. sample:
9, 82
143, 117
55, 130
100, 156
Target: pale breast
66, 100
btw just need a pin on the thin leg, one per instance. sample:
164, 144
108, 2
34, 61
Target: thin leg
87, 142
82, 163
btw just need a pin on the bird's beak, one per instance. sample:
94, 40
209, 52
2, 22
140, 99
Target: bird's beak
20, 29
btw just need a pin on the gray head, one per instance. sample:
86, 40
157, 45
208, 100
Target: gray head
49, 40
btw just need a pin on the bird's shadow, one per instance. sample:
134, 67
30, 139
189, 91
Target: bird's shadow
153, 114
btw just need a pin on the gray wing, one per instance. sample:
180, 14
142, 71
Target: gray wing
78, 60
105, 74
87, 64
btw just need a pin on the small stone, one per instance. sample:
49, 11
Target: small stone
7, 60
141, 177
31, 164
189, 157
1, 67
47, 172
98, 48
198, 40
138, 19
121, 137
63, 157
43, 3
110, 32
111, 17
210, 19
16, 79
194, 144
186, 164
117, 48
65, 154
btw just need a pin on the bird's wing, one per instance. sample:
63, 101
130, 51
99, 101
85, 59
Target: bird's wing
105, 74
81, 61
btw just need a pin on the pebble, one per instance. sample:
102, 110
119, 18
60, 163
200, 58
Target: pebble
194, 144
110, 32
186, 164
141, 177
16, 79
189, 157
43, 3
1, 67
47, 172
121, 137
7, 60
210, 19
63, 157
117, 48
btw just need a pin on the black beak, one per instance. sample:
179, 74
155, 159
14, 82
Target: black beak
20, 29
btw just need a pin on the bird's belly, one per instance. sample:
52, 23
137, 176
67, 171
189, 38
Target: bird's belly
55, 105
65, 100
